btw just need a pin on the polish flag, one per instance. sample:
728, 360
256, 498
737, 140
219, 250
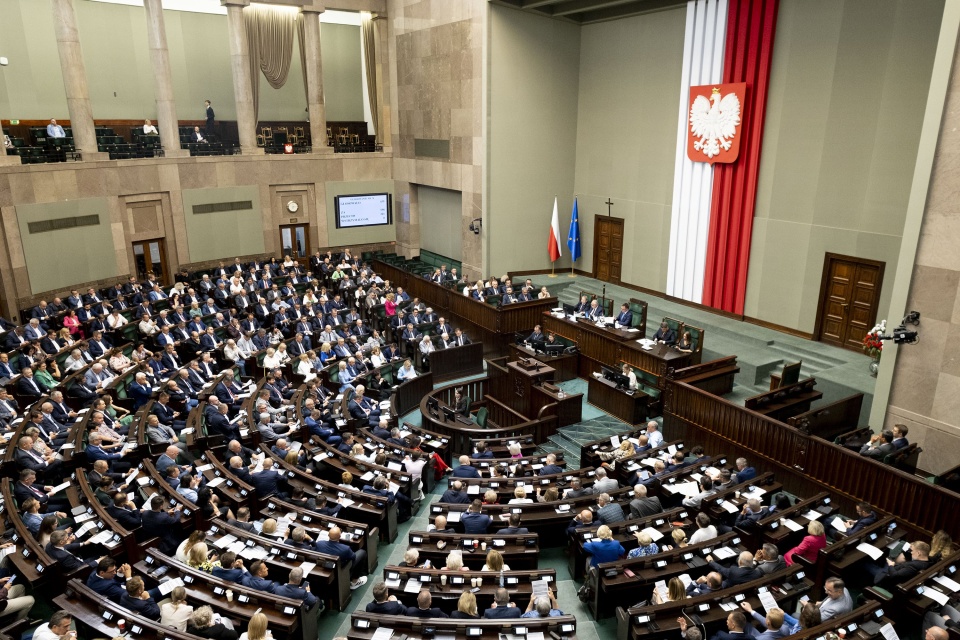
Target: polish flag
553, 244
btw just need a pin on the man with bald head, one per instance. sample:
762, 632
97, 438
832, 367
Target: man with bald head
745, 571
333, 547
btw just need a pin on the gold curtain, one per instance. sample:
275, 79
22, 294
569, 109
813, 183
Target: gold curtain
369, 29
270, 33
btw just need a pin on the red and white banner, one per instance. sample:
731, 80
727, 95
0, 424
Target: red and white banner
715, 118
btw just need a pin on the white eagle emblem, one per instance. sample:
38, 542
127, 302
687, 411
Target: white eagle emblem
715, 124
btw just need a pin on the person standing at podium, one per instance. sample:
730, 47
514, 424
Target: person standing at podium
631, 377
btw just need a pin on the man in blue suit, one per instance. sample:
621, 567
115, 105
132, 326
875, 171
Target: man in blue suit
736, 623
140, 391
333, 547
465, 470
625, 317
744, 473
293, 589
257, 578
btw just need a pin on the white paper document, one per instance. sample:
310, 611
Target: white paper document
888, 632
768, 602
838, 524
870, 550
790, 524
937, 596
170, 585
949, 583
653, 533
812, 515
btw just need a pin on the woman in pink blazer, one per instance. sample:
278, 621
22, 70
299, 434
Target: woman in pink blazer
811, 544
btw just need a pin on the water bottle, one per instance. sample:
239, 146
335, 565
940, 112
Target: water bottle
501, 578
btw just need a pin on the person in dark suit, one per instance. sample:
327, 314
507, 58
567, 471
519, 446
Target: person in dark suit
30, 387
124, 511
465, 470
138, 600
880, 446
475, 522
243, 520
25, 488
257, 578
482, 452
109, 580
866, 516
514, 527
55, 549
46, 467
744, 473
551, 466
502, 607
625, 317
384, 603
219, 422
455, 494
641, 505
425, 608
900, 436
297, 589
211, 116
332, 546
751, 513
665, 335
736, 623
140, 390
740, 574
266, 483
893, 573
230, 569
712, 583
162, 524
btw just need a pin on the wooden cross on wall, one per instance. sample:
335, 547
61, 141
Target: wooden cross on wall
609, 204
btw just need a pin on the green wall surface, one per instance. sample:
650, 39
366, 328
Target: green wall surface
62, 258
848, 90
223, 234
359, 235
119, 71
534, 80
627, 136
441, 221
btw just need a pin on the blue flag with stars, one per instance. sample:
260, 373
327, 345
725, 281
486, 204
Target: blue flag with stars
573, 238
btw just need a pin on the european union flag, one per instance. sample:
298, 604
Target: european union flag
573, 238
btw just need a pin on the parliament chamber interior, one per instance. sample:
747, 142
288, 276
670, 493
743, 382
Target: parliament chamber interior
507, 319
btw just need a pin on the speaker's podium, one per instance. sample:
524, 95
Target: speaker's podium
530, 390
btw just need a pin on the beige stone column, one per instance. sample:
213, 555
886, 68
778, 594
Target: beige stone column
315, 106
75, 79
167, 123
242, 87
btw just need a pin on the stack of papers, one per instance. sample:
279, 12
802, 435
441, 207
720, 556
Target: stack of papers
948, 583
838, 524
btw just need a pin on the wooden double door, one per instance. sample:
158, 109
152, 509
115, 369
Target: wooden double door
849, 297
607, 249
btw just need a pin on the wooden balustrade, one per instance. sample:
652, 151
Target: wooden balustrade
805, 464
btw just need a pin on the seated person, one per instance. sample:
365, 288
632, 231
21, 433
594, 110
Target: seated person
424, 608
138, 600
543, 606
384, 603
475, 522
230, 569
665, 335
332, 546
502, 607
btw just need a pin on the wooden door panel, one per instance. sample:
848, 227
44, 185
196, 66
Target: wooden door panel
850, 297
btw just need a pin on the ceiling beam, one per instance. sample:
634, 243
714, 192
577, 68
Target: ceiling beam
580, 6
635, 8
536, 4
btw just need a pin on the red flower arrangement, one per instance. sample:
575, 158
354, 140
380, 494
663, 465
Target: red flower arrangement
872, 344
